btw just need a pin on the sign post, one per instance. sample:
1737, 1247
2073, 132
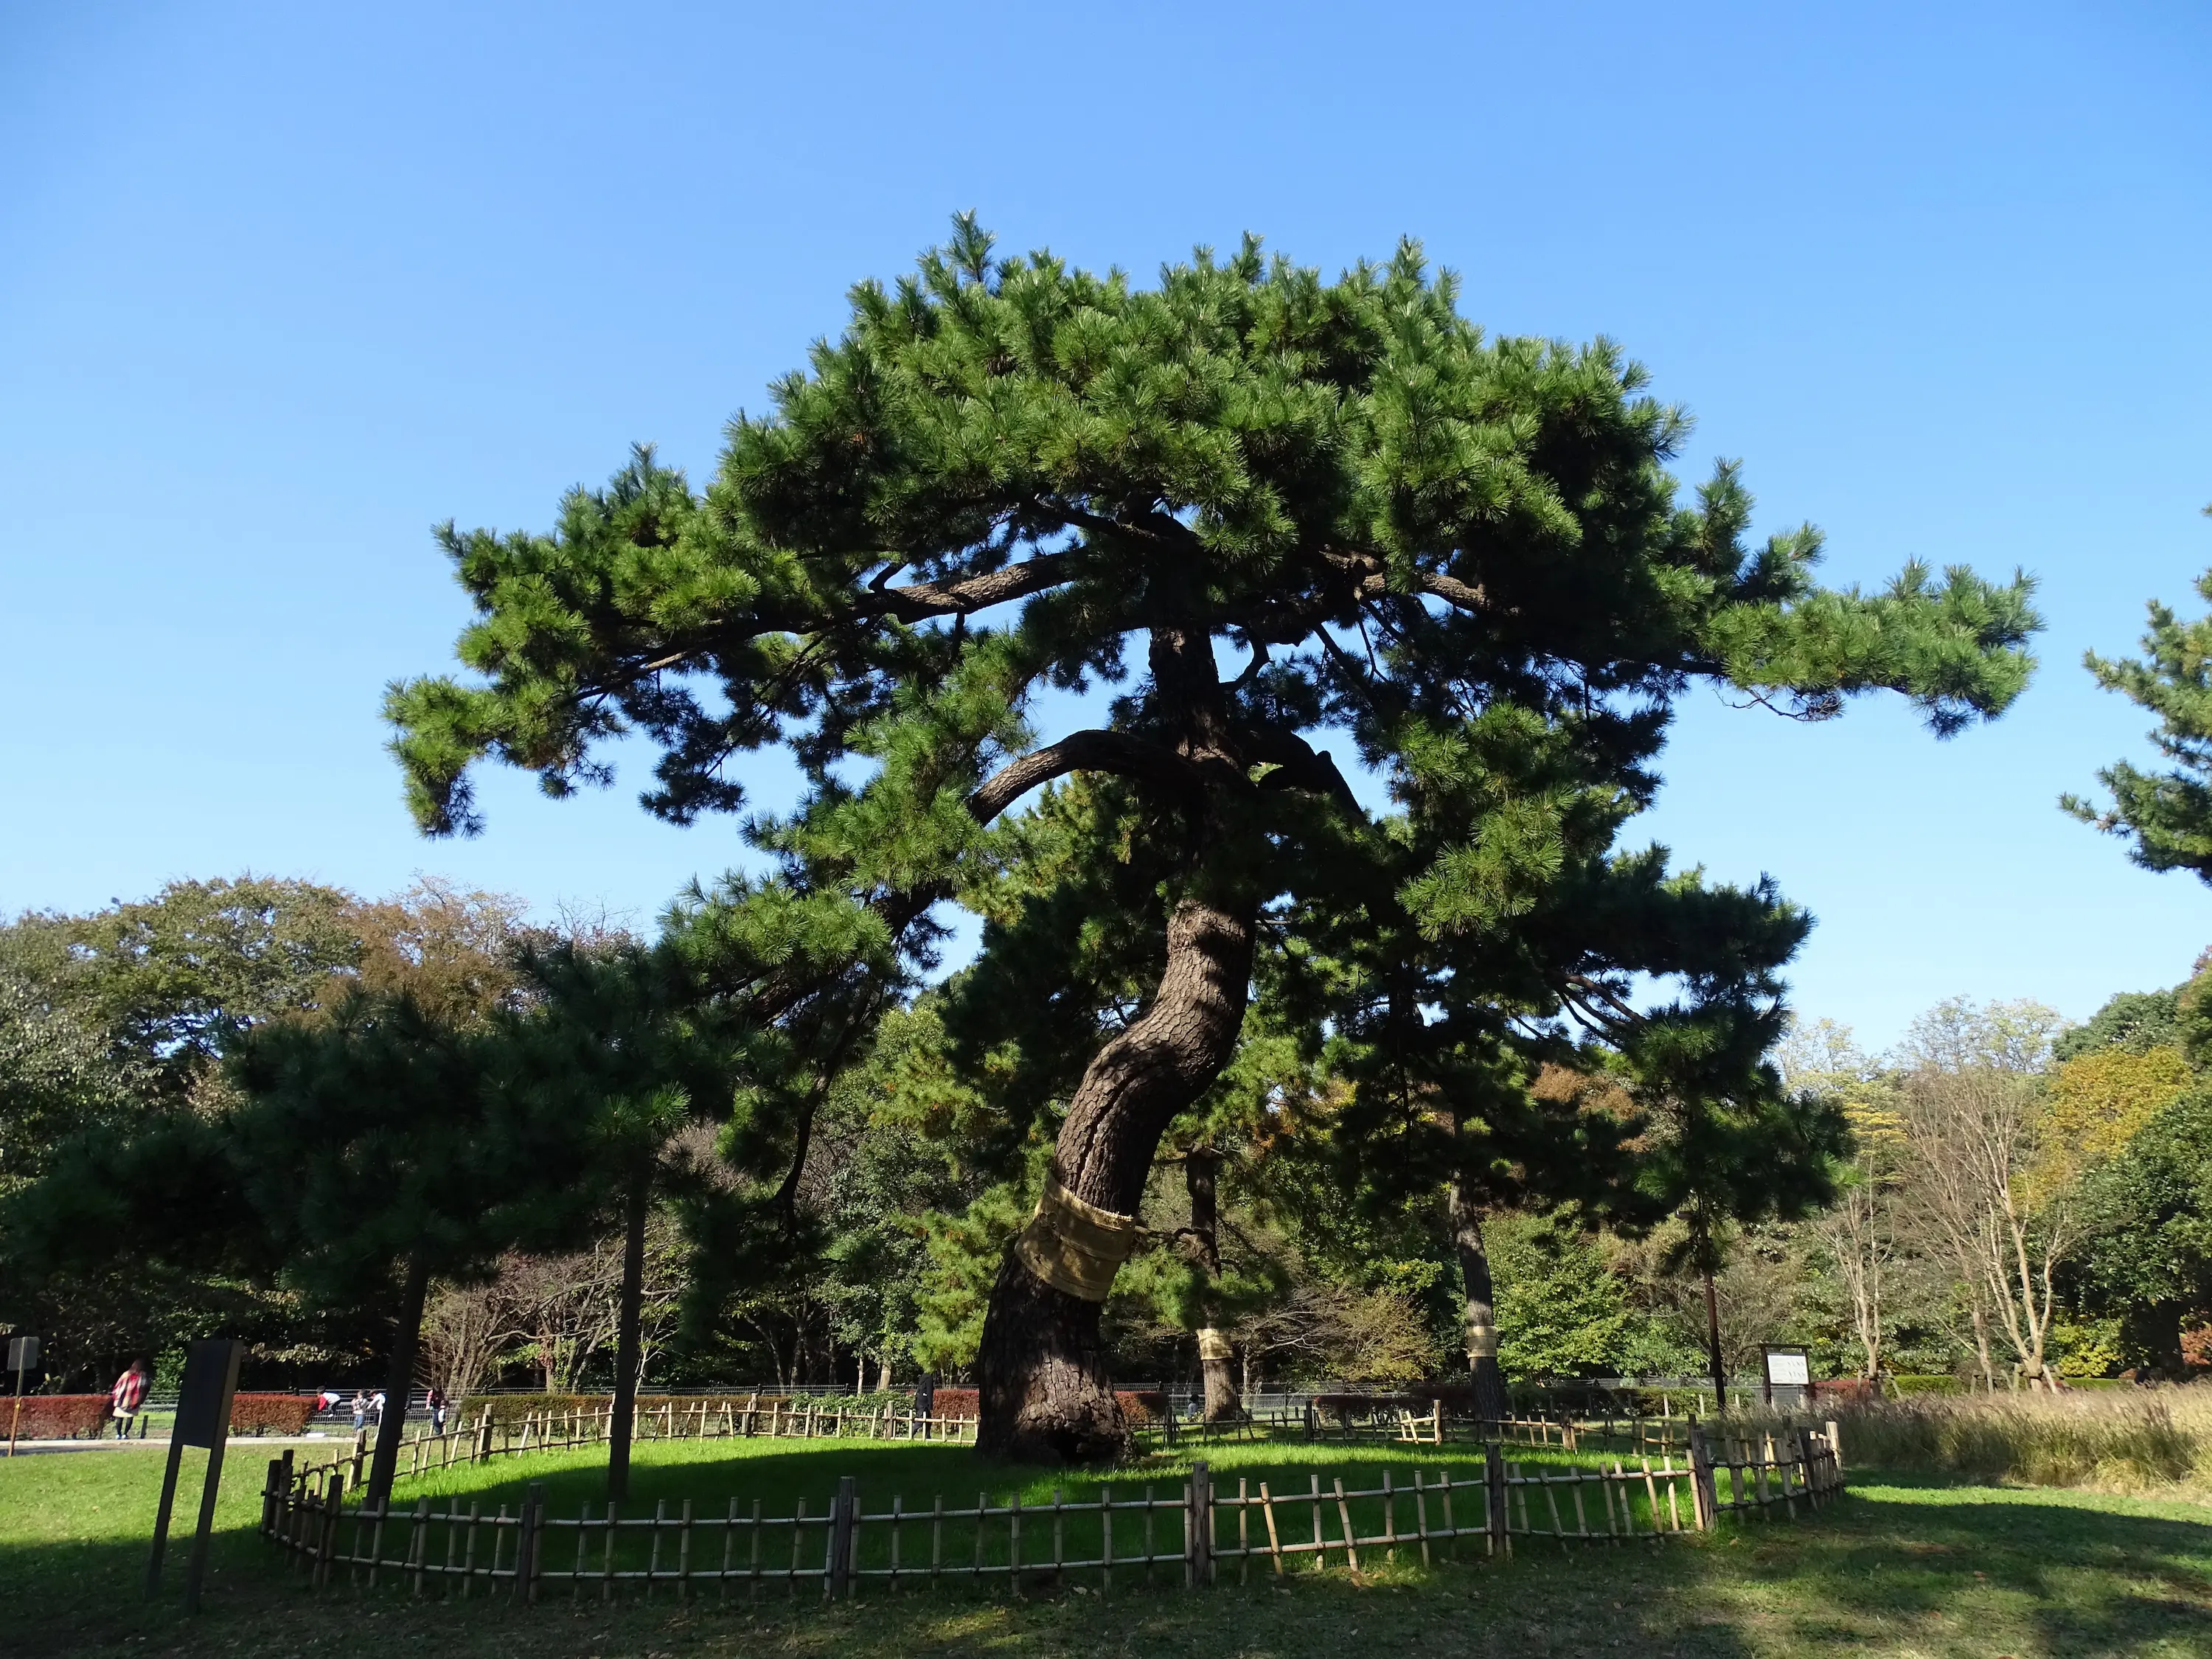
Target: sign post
1788, 1368
23, 1354
203, 1419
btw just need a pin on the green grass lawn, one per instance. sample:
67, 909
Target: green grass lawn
1901, 1567
789, 1479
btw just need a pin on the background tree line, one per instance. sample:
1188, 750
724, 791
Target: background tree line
2012, 1198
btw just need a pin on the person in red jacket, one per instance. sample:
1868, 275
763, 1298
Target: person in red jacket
128, 1397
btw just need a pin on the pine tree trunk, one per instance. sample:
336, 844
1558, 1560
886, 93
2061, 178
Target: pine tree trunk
1713, 1341
621, 1418
1201, 1172
399, 1381
1481, 1307
1044, 1394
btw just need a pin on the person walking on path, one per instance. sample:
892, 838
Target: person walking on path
128, 1397
360, 1409
436, 1402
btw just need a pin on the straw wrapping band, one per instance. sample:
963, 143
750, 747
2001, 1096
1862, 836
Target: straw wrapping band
1482, 1341
1074, 1247
1213, 1344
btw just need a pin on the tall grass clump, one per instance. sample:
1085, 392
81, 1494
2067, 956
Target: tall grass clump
2131, 1440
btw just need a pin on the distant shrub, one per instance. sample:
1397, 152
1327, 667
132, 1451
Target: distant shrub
1142, 1407
508, 1410
1903, 1386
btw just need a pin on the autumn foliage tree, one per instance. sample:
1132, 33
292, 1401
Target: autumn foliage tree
1271, 512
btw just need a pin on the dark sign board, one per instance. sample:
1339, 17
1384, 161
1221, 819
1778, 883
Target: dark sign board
203, 1402
203, 1419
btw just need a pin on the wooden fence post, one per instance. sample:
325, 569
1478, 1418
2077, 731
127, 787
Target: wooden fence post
1198, 1527
1836, 1449
360, 1448
1496, 1520
526, 1540
284, 1500
1702, 1489
842, 1510
326, 1542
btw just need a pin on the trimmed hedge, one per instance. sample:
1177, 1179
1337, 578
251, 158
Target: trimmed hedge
61, 1416
511, 1408
270, 1413
1854, 1390
1903, 1386
1143, 1407
956, 1402
1456, 1398
508, 1410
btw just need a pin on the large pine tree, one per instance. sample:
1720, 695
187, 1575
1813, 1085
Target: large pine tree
1269, 510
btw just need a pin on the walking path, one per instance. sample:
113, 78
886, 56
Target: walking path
33, 1448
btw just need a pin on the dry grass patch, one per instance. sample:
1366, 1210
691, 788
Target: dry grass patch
2136, 1441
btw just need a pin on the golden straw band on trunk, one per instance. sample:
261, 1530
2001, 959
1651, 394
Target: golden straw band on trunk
1074, 1247
1213, 1344
1482, 1342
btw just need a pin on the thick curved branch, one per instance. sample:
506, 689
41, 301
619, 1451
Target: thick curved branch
916, 602
1083, 752
1164, 531
1371, 580
1299, 765
919, 600
1617, 1014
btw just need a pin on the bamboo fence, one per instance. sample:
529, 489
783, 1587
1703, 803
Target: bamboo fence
1195, 1537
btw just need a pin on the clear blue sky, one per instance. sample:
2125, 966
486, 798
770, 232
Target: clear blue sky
281, 287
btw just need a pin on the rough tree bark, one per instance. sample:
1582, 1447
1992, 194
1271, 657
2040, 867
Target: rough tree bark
1044, 1392
628, 1336
400, 1380
1200, 1171
1713, 1342
1481, 1307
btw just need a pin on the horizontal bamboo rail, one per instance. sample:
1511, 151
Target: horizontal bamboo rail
1193, 1535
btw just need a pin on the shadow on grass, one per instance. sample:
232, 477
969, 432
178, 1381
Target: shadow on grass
1916, 1562
1902, 1566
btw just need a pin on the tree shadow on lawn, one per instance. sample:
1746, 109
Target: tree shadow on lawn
1940, 1567
1901, 1566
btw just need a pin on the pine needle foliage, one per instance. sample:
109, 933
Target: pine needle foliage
2166, 816
1438, 526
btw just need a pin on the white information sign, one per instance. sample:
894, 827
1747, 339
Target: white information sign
1788, 1369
